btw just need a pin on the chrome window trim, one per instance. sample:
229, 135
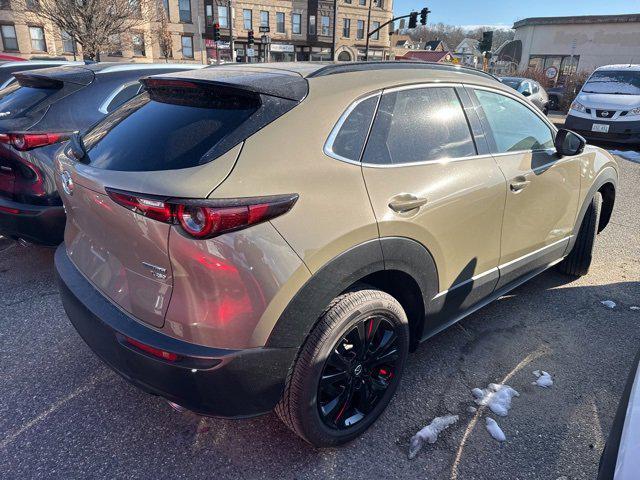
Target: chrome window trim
334, 132
328, 144
8, 82
103, 107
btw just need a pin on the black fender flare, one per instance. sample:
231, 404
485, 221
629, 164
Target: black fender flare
389, 253
606, 175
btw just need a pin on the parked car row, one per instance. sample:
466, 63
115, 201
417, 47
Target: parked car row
39, 108
245, 238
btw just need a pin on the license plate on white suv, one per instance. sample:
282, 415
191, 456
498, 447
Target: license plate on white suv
600, 127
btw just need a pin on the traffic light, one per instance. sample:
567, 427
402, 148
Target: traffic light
216, 32
413, 19
423, 16
487, 41
250, 39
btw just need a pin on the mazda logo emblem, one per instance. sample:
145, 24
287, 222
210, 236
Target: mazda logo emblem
67, 182
605, 114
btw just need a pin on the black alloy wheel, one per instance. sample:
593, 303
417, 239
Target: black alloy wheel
358, 372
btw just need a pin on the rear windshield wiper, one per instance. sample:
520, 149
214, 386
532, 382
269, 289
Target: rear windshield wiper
76, 149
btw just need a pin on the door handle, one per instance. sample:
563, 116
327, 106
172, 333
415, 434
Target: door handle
406, 202
519, 185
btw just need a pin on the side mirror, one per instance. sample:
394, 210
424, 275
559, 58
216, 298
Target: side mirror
569, 143
526, 93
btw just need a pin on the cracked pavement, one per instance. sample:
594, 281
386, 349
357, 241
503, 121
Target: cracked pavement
63, 414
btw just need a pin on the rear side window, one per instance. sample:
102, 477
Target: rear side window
349, 140
418, 125
149, 134
121, 96
514, 126
16, 100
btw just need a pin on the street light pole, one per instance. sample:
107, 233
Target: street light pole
335, 28
366, 48
230, 20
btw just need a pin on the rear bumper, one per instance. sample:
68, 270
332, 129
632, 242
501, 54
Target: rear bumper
619, 132
208, 381
37, 224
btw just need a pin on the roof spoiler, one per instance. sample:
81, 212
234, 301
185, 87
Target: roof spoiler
55, 77
38, 81
289, 87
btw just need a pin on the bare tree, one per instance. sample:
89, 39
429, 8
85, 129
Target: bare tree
163, 35
95, 25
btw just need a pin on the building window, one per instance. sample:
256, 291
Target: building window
165, 4
223, 16
37, 39
9, 38
185, 10
208, 15
374, 25
378, 3
347, 1
362, 2
325, 25
360, 32
247, 19
187, 46
346, 27
33, 4
5, 5
296, 23
264, 18
138, 45
68, 44
312, 24
280, 22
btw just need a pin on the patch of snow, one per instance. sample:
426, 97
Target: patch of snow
633, 307
494, 430
496, 397
608, 303
627, 155
544, 379
471, 409
430, 433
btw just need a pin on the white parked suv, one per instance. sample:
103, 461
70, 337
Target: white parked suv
608, 106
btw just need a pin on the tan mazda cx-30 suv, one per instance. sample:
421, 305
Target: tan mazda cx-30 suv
246, 238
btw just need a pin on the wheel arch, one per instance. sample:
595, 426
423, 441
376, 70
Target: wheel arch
606, 183
399, 266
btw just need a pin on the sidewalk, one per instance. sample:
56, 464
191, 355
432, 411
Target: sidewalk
557, 117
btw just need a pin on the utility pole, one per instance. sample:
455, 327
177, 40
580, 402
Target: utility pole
335, 28
366, 48
232, 48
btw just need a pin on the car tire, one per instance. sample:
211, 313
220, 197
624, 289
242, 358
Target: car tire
577, 263
307, 406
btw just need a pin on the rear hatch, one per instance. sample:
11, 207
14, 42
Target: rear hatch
174, 143
22, 105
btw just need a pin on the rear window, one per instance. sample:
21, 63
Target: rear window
17, 101
146, 134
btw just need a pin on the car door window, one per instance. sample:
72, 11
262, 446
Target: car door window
418, 125
513, 126
348, 138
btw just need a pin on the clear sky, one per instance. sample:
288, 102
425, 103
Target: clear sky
505, 12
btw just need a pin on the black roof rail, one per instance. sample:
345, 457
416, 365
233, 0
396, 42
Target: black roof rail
349, 67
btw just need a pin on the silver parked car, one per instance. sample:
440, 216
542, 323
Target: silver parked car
530, 89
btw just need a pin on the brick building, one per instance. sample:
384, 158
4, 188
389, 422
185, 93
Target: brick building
297, 30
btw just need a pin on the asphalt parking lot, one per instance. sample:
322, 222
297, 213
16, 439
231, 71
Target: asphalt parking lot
65, 415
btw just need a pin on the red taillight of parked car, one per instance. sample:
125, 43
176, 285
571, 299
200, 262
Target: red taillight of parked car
206, 218
23, 141
156, 352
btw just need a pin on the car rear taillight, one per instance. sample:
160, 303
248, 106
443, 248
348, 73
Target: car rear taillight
206, 218
156, 352
23, 141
